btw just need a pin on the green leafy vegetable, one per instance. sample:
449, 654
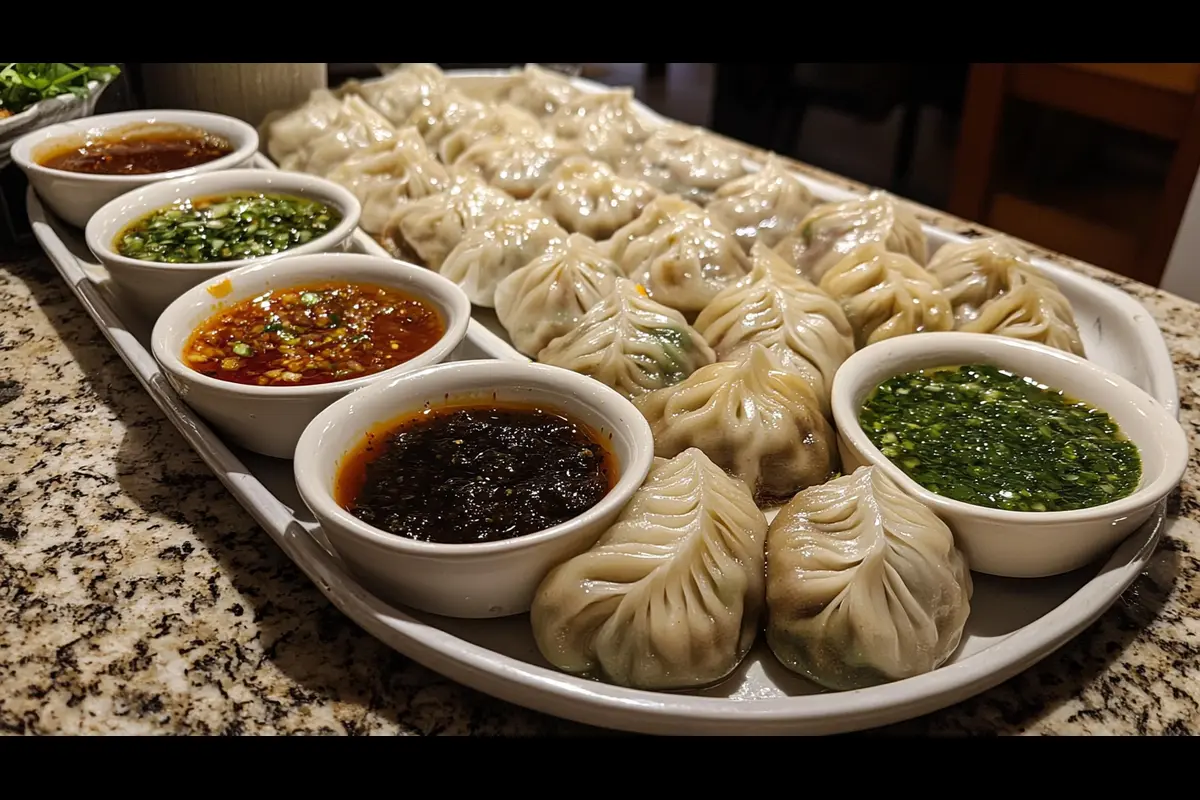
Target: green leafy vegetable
24, 84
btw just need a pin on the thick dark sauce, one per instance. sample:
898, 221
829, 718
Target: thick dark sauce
142, 153
475, 473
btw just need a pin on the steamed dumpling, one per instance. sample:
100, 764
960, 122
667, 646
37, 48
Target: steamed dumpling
356, 127
426, 230
500, 243
606, 125
763, 206
496, 121
659, 212
832, 231
773, 306
756, 419
586, 196
547, 297
285, 133
384, 179
688, 161
994, 288
399, 93
516, 164
886, 294
631, 343
444, 114
684, 262
670, 596
538, 90
864, 584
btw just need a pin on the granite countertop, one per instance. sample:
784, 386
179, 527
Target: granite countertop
137, 596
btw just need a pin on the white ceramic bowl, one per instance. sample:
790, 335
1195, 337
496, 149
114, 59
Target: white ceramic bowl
477, 580
1019, 544
270, 419
154, 285
75, 196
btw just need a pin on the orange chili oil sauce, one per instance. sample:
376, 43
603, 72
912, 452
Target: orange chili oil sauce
139, 152
469, 473
313, 334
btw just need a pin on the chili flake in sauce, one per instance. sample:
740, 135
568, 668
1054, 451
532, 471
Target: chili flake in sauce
314, 334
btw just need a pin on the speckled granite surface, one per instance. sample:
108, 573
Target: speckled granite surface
136, 596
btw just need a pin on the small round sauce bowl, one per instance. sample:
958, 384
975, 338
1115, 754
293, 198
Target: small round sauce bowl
154, 285
480, 579
270, 419
75, 196
1020, 544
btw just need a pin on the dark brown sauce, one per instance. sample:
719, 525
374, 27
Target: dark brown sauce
138, 153
464, 474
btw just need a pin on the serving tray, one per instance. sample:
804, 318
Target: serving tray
1013, 623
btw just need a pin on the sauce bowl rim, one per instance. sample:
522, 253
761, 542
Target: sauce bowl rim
245, 147
849, 383
494, 374
341, 266
123, 210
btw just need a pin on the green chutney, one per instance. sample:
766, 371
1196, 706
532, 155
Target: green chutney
986, 436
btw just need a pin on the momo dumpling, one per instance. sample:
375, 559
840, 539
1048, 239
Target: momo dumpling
547, 297
773, 306
886, 294
687, 161
518, 165
496, 121
384, 179
670, 596
685, 263
355, 128
660, 211
286, 133
994, 288
756, 419
864, 584
538, 90
605, 124
426, 230
763, 206
445, 113
631, 343
832, 231
586, 196
401, 92
500, 243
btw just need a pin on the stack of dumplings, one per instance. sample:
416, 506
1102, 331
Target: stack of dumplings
720, 297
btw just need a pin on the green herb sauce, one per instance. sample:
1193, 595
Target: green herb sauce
982, 435
229, 228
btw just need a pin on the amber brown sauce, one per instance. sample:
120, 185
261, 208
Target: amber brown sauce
471, 473
143, 153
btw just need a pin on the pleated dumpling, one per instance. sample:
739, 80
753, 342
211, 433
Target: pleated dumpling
669, 597
382, 180
886, 294
994, 288
535, 89
285, 133
426, 230
686, 259
864, 584
516, 164
355, 127
631, 343
445, 113
501, 242
496, 121
773, 306
763, 206
832, 231
606, 125
400, 92
586, 196
756, 419
547, 297
687, 161
660, 211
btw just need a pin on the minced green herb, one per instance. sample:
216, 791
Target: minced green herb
226, 229
989, 437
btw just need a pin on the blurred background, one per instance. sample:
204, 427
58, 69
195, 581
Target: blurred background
1097, 161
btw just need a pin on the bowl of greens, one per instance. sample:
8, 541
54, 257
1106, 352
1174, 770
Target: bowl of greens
33, 95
